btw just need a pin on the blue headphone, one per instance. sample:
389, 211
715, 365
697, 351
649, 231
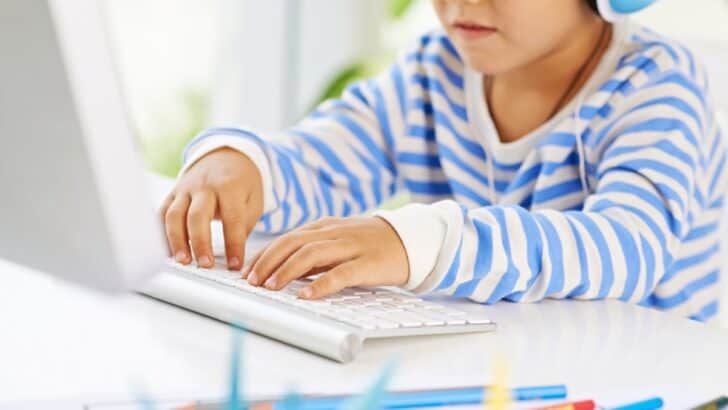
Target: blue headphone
615, 10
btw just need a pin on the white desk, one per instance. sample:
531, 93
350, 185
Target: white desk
61, 342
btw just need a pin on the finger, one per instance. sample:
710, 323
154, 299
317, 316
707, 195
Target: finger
234, 229
162, 212
168, 200
343, 276
318, 224
321, 223
247, 268
307, 258
199, 216
278, 251
175, 227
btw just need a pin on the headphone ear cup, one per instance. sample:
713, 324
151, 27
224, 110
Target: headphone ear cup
615, 10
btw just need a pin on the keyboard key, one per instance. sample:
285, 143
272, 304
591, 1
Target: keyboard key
383, 323
454, 321
441, 319
478, 321
429, 319
407, 298
385, 309
366, 325
405, 319
316, 303
232, 275
432, 306
453, 312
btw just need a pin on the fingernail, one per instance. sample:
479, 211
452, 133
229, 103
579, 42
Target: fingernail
204, 261
253, 278
245, 270
233, 263
306, 292
271, 283
180, 257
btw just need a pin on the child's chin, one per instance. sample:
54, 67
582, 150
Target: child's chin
487, 65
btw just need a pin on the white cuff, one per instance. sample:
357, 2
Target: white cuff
422, 232
245, 146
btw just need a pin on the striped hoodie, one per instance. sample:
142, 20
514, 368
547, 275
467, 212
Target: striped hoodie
618, 196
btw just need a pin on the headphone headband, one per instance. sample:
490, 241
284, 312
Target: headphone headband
615, 10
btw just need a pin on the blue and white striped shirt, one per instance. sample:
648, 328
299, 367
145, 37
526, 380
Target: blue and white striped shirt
619, 196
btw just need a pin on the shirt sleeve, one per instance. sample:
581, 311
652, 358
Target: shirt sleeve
338, 161
618, 246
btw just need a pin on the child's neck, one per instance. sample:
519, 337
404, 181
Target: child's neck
521, 100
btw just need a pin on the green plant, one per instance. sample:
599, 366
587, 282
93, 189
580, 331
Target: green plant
366, 66
398, 8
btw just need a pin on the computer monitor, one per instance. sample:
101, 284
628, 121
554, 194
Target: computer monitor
73, 201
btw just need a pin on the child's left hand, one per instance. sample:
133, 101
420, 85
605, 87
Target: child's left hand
362, 251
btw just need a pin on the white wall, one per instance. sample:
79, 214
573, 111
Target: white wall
262, 62
163, 47
278, 55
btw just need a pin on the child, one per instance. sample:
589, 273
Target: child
548, 154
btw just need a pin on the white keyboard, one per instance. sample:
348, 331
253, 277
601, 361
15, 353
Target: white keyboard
352, 315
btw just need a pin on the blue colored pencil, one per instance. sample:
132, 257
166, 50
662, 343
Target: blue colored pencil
651, 404
435, 398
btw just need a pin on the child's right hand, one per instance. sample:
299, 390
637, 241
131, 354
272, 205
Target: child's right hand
223, 184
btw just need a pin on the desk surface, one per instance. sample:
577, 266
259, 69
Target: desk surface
62, 342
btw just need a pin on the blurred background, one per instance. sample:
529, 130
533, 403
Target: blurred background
189, 64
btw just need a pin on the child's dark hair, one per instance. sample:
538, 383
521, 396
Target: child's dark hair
593, 5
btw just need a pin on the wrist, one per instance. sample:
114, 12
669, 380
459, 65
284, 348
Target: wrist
403, 268
253, 174
422, 250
